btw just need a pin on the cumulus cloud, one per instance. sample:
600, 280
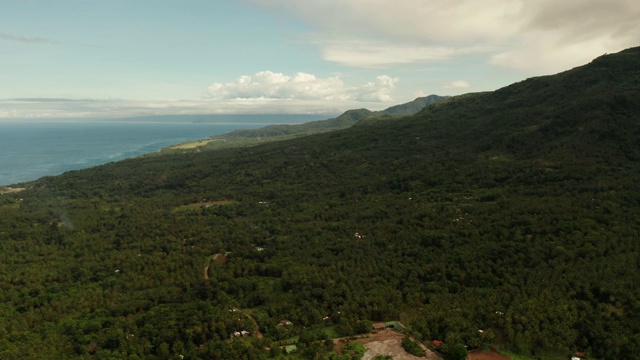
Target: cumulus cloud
533, 35
378, 90
27, 39
268, 84
301, 86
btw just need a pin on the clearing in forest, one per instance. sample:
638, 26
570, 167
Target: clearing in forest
204, 204
389, 342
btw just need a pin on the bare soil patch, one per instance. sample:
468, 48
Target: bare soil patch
486, 355
10, 190
389, 342
190, 145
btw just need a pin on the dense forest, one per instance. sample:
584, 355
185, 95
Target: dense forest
505, 219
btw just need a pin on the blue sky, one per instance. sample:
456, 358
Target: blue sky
116, 58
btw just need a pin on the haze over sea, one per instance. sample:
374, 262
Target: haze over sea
30, 150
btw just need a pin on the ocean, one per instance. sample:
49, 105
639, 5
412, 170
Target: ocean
31, 150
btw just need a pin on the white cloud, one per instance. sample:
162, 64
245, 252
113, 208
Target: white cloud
533, 35
115, 108
375, 91
265, 92
272, 85
447, 20
301, 86
370, 54
458, 84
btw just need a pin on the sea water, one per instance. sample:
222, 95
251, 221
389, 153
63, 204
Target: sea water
30, 150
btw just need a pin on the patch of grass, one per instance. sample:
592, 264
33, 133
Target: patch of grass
513, 356
291, 340
331, 332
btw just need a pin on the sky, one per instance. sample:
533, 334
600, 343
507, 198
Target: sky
119, 58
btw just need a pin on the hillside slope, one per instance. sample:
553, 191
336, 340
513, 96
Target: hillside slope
513, 212
251, 137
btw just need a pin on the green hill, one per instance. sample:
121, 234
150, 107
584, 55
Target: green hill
504, 219
411, 107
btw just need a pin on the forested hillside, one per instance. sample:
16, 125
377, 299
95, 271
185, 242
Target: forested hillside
504, 219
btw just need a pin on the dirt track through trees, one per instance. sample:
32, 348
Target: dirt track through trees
206, 268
